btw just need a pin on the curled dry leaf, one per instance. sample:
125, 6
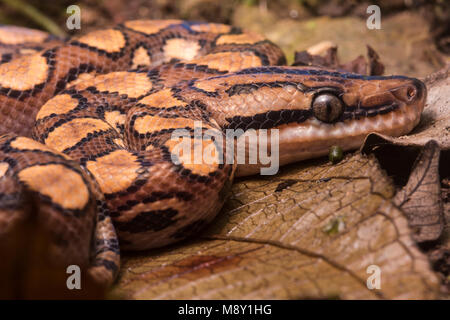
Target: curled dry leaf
310, 232
420, 199
324, 54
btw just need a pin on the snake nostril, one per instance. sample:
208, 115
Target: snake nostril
408, 93
411, 92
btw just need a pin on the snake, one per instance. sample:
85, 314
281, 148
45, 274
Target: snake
87, 123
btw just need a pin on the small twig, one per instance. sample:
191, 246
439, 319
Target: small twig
35, 15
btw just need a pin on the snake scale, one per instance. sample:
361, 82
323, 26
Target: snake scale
86, 123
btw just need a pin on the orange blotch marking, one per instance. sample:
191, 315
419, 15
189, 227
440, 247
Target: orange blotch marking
119, 142
198, 155
139, 208
116, 171
141, 58
132, 84
150, 148
108, 40
245, 38
27, 51
209, 85
229, 61
58, 105
162, 99
115, 118
212, 27
17, 35
24, 73
4, 166
70, 133
82, 78
61, 184
150, 26
181, 49
22, 143
154, 123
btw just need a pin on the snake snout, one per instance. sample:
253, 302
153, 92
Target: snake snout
412, 92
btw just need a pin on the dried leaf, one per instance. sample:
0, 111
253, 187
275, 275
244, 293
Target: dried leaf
376, 68
310, 232
324, 54
420, 199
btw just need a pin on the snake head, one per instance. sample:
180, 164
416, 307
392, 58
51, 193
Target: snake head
314, 108
344, 108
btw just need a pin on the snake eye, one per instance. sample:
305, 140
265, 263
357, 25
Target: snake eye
327, 107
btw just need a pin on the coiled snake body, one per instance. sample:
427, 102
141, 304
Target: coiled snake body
86, 128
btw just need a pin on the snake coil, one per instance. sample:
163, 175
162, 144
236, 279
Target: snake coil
86, 128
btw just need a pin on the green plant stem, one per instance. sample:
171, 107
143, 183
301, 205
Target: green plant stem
35, 15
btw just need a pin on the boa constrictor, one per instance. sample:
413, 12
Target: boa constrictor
86, 124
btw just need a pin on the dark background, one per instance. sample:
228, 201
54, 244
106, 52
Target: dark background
414, 39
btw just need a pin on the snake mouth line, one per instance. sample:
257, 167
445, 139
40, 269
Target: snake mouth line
352, 112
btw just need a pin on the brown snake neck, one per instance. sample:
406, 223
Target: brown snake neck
101, 109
